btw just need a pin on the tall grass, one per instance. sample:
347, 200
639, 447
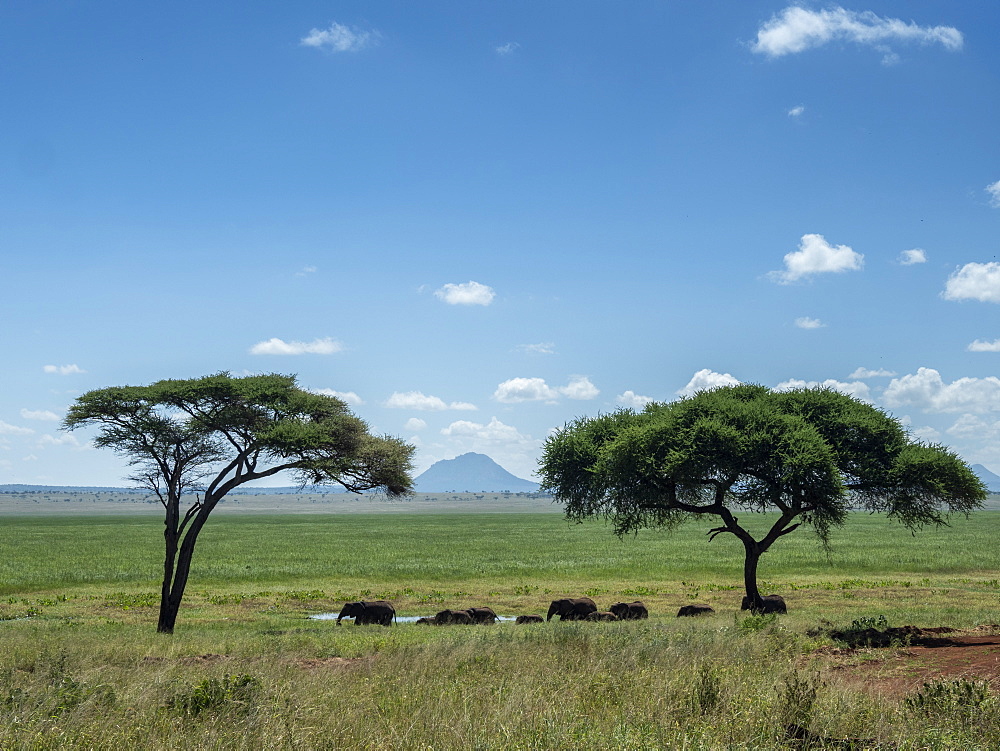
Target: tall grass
81, 666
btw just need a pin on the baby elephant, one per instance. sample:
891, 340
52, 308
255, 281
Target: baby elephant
600, 615
692, 610
630, 611
529, 619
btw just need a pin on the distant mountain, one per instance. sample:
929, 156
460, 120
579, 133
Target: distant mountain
314, 489
473, 473
992, 481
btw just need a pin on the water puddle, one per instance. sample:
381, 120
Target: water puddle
399, 618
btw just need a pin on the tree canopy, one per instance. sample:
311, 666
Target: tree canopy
193, 441
809, 455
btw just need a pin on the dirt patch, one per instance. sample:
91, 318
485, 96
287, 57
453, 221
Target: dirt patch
332, 662
931, 654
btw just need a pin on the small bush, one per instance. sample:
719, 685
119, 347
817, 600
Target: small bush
754, 623
960, 699
232, 691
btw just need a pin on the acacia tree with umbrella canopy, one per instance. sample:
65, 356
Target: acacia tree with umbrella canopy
808, 455
193, 441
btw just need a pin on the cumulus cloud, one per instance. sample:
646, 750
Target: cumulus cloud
7, 429
707, 379
816, 256
517, 390
797, 29
633, 400
492, 431
796, 111
866, 373
980, 345
857, 389
928, 391
339, 38
506, 49
67, 439
415, 424
275, 346
912, 256
345, 396
39, 414
805, 322
542, 348
470, 293
994, 190
420, 401
63, 369
306, 270
974, 281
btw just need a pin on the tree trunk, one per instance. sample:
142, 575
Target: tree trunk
753, 601
175, 577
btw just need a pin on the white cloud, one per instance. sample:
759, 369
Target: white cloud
542, 348
7, 429
306, 270
275, 346
910, 257
517, 390
506, 49
66, 439
633, 400
994, 190
493, 431
866, 373
470, 293
797, 29
707, 379
346, 396
339, 38
973, 427
63, 369
981, 345
857, 389
415, 424
809, 323
928, 391
974, 281
579, 388
40, 414
796, 111
816, 256
420, 401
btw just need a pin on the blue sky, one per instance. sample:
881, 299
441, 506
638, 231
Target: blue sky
476, 221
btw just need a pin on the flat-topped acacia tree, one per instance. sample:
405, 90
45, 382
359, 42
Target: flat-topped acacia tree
193, 441
808, 455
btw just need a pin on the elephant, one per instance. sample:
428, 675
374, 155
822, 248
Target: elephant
425, 621
571, 609
529, 619
601, 615
380, 612
630, 611
769, 604
690, 610
453, 617
483, 615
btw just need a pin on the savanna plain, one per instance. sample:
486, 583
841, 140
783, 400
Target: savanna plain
250, 667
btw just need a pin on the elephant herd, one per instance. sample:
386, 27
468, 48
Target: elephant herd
382, 613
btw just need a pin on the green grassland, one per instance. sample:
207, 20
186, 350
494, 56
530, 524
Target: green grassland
82, 666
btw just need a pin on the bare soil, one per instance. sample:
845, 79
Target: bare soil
931, 654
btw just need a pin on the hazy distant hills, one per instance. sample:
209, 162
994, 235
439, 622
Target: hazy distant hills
471, 473
992, 481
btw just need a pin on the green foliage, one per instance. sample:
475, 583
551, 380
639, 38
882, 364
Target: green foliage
755, 622
231, 692
960, 699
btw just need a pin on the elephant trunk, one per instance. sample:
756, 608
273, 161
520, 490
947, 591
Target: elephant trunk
553, 610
